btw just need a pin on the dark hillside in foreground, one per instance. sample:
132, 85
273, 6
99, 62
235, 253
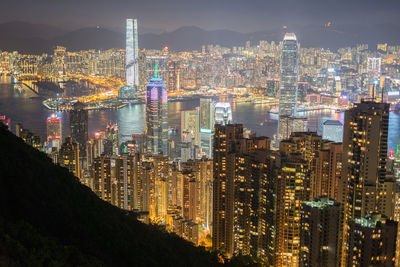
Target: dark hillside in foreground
48, 218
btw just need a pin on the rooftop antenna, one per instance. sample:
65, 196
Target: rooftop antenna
156, 70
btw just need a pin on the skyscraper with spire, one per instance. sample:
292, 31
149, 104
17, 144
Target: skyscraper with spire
288, 86
157, 116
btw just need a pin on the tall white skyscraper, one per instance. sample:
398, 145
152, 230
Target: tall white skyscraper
223, 113
288, 84
332, 130
132, 54
206, 121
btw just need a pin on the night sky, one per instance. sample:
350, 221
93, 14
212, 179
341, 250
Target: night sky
238, 15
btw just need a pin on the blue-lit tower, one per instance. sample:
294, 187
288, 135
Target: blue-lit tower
156, 116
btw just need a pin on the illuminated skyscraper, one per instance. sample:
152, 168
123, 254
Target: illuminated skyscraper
373, 75
288, 81
363, 177
157, 116
54, 131
364, 157
320, 234
240, 170
288, 76
111, 140
132, 64
372, 241
5, 121
288, 125
173, 75
206, 121
223, 186
328, 165
161, 61
115, 180
223, 113
292, 188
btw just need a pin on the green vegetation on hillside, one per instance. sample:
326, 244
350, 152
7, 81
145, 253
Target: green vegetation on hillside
48, 218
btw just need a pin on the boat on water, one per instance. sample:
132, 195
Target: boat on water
19, 89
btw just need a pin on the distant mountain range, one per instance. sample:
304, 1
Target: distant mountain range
39, 38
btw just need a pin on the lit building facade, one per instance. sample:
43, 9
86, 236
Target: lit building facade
332, 130
132, 55
288, 82
223, 113
321, 233
292, 184
223, 186
190, 124
206, 125
111, 140
116, 180
364, 160
157, 116
372, 241
54, 131
364, 157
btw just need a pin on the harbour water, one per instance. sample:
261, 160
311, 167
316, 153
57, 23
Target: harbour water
27, 108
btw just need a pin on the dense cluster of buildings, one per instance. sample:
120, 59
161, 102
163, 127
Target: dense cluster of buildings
299, 200
256, 68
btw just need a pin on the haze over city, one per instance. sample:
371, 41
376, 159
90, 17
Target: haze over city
242, 16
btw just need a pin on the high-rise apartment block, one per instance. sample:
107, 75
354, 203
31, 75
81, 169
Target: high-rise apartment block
116, 180
54, 131
223, 113
332, 130
372, 241
206, 126
132, 56
321, 232
364, 157
69, 156
240, 170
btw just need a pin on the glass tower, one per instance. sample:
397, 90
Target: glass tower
288, 81
157, 116
132, 64
206, 121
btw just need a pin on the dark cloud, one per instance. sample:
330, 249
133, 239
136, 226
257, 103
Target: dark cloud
240, 15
